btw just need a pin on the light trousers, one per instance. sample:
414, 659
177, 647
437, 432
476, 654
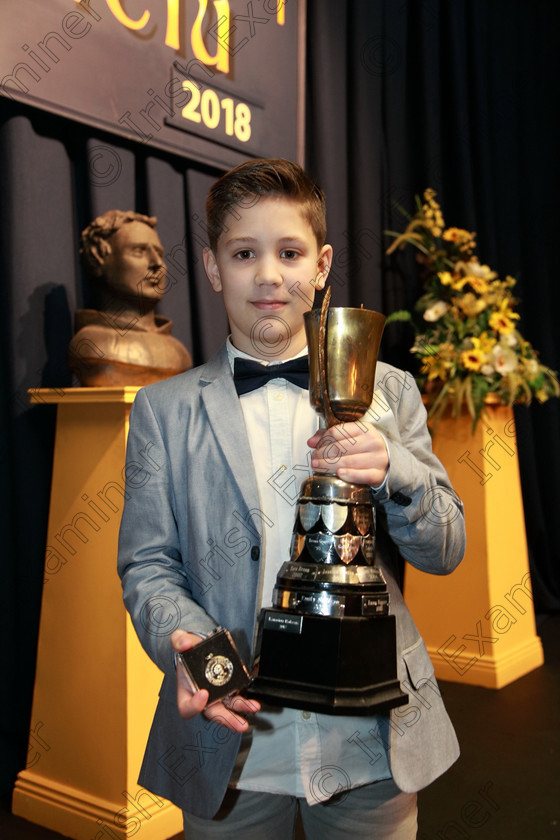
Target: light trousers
378, 811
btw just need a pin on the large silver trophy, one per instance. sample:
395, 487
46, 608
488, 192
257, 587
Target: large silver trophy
328, 642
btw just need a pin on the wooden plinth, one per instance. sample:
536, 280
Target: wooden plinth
95, 688
478, 622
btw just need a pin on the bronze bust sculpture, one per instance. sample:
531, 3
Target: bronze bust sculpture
124, 342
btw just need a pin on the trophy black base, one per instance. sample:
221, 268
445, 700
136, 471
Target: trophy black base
327, 664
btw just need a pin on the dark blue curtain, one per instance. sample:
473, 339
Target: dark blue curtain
459, 97
55, 177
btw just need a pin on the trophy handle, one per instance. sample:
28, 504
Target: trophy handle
330, 418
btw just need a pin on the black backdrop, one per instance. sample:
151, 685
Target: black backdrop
460, 96
400, 95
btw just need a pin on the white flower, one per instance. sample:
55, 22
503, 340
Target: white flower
509, 339
487, 370
435, 312
531, 366
473, 267
503, 359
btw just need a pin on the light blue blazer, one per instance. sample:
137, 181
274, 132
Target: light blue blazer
190, 558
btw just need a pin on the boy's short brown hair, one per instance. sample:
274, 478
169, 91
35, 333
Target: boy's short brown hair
247, 183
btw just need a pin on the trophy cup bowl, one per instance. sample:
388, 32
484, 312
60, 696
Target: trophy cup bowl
352, 346
328, 642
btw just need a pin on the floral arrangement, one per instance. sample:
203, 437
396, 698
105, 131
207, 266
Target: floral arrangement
470, 350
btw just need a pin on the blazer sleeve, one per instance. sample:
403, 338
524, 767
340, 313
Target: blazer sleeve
416, 505
156, 587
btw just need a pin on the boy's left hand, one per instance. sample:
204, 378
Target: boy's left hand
355, 451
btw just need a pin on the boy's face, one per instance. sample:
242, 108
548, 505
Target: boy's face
267, 265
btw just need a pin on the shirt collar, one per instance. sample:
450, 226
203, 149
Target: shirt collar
234, 353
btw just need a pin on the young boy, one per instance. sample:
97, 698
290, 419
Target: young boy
203, 536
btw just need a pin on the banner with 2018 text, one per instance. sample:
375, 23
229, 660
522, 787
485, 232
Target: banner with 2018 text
205, 79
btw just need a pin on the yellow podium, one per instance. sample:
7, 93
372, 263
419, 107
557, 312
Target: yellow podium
95, 688
478, 623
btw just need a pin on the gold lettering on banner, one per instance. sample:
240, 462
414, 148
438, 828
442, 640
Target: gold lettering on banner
120, 14
220, 32
221, 59
172, 33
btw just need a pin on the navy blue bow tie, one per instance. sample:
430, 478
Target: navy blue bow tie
248, 375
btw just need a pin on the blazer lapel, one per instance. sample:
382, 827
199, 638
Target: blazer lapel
226, 418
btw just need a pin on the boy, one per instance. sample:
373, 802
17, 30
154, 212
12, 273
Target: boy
201, 543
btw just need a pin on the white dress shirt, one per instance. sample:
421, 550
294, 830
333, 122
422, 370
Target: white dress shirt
287, 751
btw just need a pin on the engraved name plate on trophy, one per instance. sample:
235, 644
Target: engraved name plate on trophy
328, 643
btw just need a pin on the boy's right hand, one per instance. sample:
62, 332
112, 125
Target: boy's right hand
189, 704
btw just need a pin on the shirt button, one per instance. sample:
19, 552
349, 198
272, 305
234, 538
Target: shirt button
279, 397
306, 715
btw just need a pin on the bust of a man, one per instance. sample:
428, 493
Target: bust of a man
124, 342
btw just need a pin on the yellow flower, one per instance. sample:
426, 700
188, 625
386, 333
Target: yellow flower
472, 359
438, 361
479, 285
445, 277
434, 366
476, 283
502, 320
457, 235
501, 323
470, 304
485, 343
432, 215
